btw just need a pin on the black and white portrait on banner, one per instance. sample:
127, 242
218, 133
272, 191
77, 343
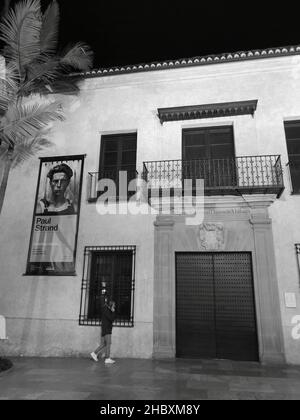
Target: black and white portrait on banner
52, 249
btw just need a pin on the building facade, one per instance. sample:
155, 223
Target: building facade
221, 283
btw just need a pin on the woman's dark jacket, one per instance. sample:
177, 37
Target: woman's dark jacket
107, 320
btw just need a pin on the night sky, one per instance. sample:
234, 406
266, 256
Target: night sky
123, 32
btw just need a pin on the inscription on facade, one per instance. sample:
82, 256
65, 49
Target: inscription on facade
227, 211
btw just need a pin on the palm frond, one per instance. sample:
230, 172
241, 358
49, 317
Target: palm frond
77, 57
5, 141
49, 29
4, 95
66, 85
5, 147
20, 31
9, 87
29, 148
27, 120
25, 149
3, 152
50, 77
39, 74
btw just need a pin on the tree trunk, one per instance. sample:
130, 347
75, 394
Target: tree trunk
3, 185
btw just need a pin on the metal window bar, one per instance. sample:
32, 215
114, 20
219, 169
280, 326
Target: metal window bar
120, 288
297, 247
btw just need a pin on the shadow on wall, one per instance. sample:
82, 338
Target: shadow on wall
34, 328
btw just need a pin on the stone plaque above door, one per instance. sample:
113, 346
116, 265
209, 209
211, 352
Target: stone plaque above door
212, 236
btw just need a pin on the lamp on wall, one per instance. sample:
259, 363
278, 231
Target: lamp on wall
297, 246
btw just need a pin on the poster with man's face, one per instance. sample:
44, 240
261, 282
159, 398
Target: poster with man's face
56, 212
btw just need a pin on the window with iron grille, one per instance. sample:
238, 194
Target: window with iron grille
108, 270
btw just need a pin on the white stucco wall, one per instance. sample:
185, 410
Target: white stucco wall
42, 312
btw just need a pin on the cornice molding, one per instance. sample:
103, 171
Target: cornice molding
194, 61
192, 112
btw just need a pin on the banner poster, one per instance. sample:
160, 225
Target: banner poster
52, 249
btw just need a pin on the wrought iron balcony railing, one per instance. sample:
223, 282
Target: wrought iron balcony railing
113, 175
245, 174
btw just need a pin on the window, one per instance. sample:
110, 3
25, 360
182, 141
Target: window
208, 153
208, 143
118, 153
110, 268
292, 132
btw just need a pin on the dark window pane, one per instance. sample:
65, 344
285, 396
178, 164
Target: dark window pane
111, 146
221, 151
129, 144
220, 136
122, 159
296, 180
295, 174
214, 142
294, 147
110, 158
195, 139
128, 157
195, 152
213, 161
292, 132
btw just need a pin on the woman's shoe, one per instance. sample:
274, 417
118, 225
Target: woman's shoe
94, 356
109, 360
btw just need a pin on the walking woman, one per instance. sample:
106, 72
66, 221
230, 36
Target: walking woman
107, 319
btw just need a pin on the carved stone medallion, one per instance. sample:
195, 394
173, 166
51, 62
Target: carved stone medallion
211, 236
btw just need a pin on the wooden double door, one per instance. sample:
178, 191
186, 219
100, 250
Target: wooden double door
215, 309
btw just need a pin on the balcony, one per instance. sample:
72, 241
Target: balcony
229, 176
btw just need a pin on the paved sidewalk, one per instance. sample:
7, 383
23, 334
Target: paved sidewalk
140, 379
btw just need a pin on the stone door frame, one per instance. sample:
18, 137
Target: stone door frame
254, 209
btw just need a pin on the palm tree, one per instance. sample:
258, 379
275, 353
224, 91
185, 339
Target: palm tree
33, 70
